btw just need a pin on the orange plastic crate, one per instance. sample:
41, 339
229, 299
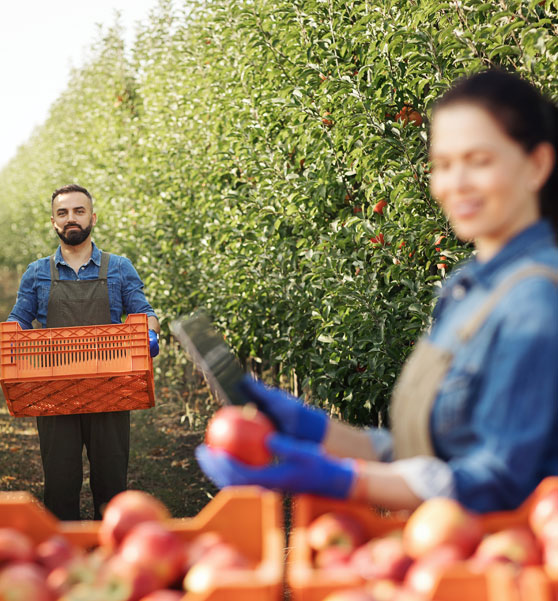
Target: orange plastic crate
83, 369
458, 583
248, 517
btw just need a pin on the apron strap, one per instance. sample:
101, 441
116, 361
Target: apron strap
470, 329
103, 270
54, 275
425, 369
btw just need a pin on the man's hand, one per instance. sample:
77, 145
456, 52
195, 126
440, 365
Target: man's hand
301, 467
153, 343
289, 414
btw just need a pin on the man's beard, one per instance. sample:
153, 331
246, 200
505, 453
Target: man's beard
74, 237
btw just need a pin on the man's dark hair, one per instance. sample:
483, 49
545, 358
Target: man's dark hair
70, 188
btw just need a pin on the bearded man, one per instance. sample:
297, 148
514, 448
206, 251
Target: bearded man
80, 285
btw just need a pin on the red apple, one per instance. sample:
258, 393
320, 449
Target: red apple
379, 239
423, 575
124, 511
84, 569
218, 560
241, 431
513, 545
335, 528
438, 522
379, 206
155, 549
164, 595
409, 114
550, 558
333, 558
24, 582
382, 557
124, 580
548, 531
543, 509
15, 546
56, 551
197, 548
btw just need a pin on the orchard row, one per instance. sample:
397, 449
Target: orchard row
268, 160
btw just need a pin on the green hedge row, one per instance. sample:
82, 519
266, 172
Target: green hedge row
238, 155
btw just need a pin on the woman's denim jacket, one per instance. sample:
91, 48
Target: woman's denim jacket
494, 423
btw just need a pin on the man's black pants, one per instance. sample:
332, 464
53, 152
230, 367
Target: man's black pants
106, 437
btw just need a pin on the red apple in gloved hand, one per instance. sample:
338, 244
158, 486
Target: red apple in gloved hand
241, 431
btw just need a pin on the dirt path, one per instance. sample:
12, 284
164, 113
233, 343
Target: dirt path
162, 459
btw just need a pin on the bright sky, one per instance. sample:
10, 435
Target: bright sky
40, 40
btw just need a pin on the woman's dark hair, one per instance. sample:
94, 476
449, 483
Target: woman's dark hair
522, 112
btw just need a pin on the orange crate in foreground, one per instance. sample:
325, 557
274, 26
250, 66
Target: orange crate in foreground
83, 369
458, 583
247, 517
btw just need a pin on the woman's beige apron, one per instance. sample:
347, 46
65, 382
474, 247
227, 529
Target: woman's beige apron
425, 369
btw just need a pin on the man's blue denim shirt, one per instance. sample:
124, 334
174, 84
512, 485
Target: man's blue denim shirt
125, 288
494, 424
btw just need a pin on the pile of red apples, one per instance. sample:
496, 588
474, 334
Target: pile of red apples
138, 558
405, 564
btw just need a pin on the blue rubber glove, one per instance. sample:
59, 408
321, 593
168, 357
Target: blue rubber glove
301, 467
289, 414
153, 343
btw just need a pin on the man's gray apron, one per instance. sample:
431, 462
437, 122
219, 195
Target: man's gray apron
106, 436
423, 373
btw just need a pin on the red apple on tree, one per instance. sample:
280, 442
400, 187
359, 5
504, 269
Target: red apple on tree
379, 239
438, 522
379, 206
124, 511
335, 528
409, 115
241, 431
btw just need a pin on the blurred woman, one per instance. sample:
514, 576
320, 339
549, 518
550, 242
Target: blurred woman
474, 412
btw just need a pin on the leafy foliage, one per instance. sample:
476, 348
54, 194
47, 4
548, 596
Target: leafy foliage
237, 157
